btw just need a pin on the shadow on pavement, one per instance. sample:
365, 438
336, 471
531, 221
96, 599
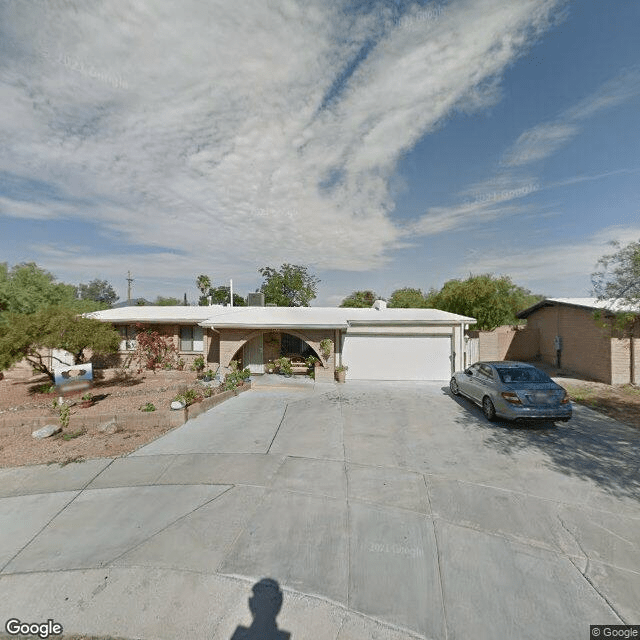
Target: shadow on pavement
590, 446
264, 605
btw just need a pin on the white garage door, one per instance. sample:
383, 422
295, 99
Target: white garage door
397, 357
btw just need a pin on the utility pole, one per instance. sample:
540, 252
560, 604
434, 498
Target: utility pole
129, 281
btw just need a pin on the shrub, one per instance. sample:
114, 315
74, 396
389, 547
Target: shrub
153, 350
198, 364
283, 366
325, 347
149, 406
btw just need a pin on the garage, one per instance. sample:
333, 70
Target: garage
398, 357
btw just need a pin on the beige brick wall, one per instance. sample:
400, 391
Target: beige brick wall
507, 343
586, 347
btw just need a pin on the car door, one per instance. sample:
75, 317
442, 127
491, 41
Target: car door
466, 382
480, 382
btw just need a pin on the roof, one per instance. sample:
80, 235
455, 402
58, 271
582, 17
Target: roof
280, 317
584, 303
155, 314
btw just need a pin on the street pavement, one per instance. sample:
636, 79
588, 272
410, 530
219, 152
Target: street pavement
339, 512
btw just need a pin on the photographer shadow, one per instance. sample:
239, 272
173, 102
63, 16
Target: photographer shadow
265, 604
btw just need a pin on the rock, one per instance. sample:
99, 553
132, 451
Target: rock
176, 404
46, 431
110, 427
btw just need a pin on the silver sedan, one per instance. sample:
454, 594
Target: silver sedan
512, 390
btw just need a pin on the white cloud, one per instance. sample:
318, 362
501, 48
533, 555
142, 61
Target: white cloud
560, 269
539, 142
197, 125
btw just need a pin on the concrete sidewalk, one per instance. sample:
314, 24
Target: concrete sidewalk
382, 510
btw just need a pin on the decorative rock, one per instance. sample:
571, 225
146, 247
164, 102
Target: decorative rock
176, 404
110, 427
46, 431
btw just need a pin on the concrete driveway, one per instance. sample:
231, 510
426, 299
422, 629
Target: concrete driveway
377, 510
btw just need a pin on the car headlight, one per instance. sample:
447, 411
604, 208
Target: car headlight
511, 397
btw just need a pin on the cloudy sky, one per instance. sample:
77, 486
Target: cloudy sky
382, 144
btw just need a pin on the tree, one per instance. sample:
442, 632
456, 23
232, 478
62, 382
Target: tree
29, 336
166, 302
203, 283
98, 291
360, 299
493, 301
407, 298
618, 282
26, 287
221, 295
619, 275
291, 286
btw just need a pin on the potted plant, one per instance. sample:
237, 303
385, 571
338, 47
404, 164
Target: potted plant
207, 376
87, 400
341, 372
198, 365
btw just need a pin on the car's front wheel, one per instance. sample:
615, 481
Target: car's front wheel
488, 409
453, 385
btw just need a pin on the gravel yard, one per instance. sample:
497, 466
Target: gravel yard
21, 399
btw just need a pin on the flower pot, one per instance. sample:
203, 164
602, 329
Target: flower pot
341, 376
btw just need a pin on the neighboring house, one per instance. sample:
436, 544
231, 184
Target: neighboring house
564, 332
376, 343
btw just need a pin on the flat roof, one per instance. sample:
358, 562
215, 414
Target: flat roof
156, 314
280, 317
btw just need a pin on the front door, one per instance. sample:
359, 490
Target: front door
252, 355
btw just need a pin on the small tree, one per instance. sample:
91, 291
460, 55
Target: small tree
618, 282
222, 295
153, 350
290, 286
203, 282
30, 336
360, 299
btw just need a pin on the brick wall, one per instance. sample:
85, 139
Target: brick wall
586, 346
507, 343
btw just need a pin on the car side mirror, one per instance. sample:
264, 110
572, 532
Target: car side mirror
468, 372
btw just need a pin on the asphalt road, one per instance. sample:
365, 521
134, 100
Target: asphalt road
375, 510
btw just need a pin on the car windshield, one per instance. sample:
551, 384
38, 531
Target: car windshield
528, 374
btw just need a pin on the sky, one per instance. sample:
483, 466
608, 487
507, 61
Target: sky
381, 144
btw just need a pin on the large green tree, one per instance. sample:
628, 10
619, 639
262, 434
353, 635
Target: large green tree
29, 336
360, 299
493, 301
407, 298
99, 291
26, 287
166, 302
290, 286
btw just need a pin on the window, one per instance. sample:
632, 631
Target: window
191, 338
128, 335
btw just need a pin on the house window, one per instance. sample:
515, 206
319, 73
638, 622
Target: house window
191, 338
128, 335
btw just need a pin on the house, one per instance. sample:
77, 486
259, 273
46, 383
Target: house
375, 343
565, 332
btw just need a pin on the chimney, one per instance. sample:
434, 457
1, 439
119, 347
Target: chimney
380, 305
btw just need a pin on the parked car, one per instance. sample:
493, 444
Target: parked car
512, 390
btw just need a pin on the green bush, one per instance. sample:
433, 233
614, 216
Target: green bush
283, 366
148, 407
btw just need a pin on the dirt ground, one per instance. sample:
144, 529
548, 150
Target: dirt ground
621, 402
113, 395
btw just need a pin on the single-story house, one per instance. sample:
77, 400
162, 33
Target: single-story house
375, 343
565, 332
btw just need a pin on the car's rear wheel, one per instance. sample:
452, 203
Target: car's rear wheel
488, 409
453, 385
